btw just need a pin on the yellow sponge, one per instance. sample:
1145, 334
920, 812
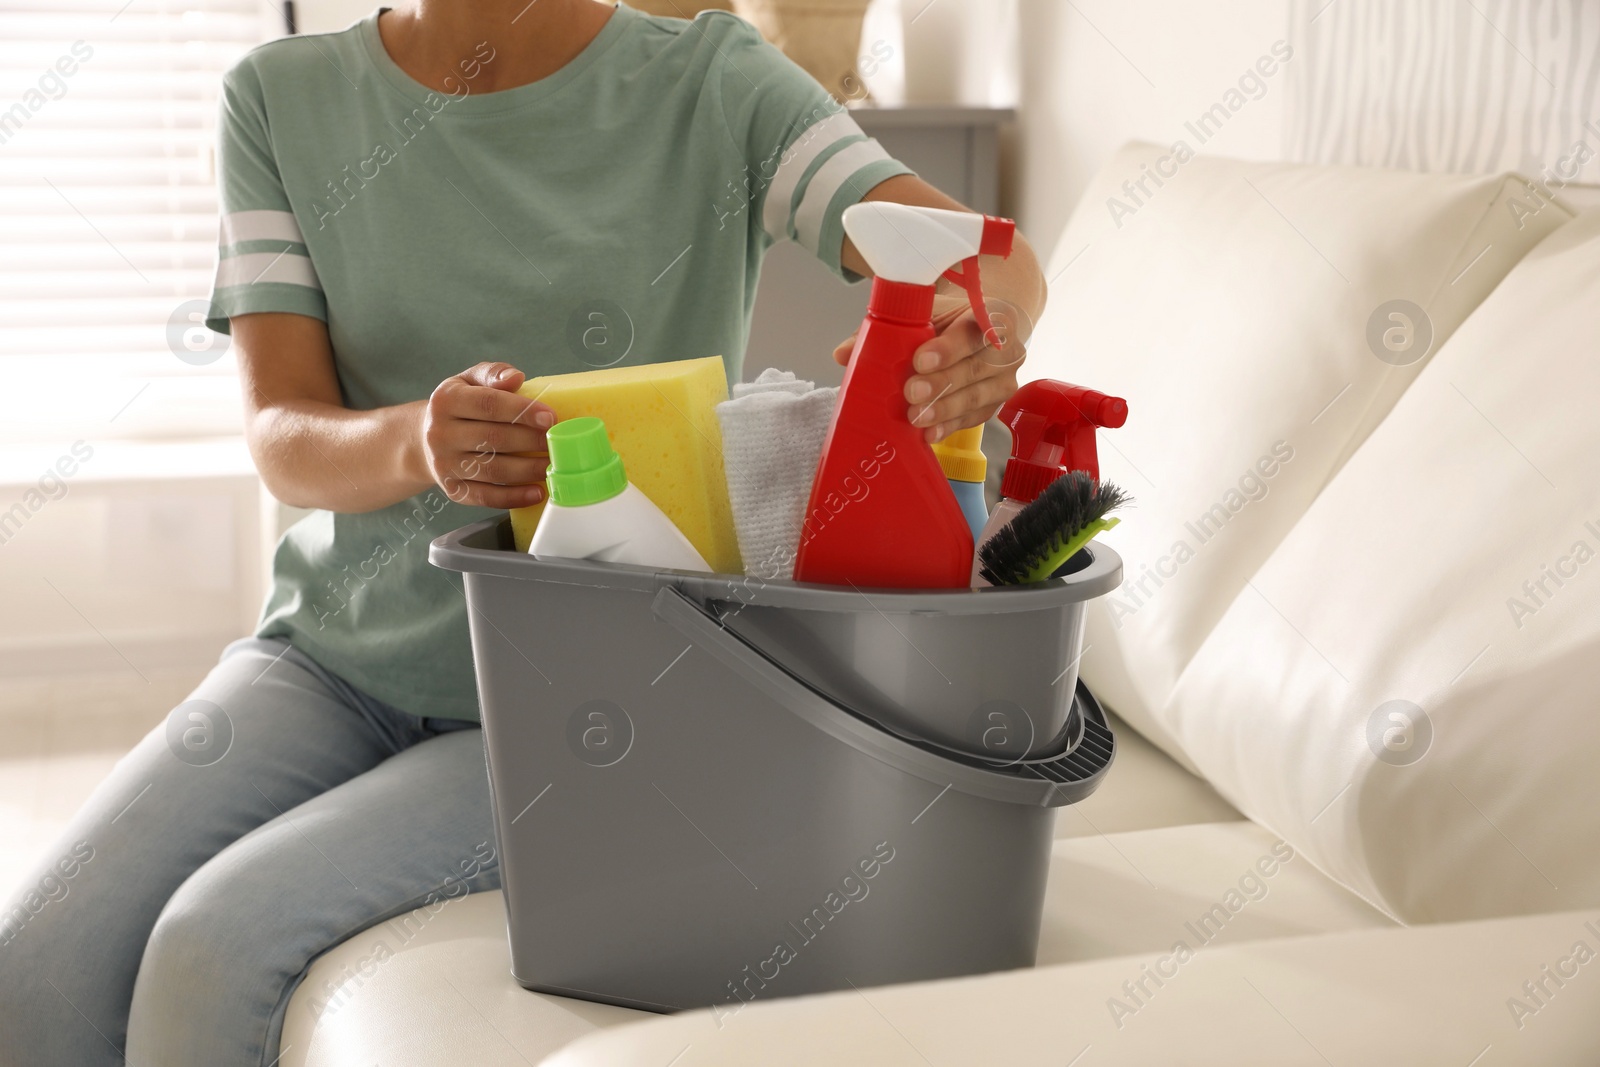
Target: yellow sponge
663, 423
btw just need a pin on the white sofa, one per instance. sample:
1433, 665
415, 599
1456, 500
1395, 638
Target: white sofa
1154, 848
1270, 874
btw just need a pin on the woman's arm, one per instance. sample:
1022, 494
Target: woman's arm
961, 380
314, 452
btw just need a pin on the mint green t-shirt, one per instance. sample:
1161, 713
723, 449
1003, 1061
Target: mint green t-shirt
613, 213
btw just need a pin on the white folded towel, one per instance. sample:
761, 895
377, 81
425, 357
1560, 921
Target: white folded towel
772, 433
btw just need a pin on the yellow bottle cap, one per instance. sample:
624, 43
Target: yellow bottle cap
961, 457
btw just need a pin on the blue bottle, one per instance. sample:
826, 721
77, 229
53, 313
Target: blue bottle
965, 466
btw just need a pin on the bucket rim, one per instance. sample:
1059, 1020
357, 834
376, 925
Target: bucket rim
464, 550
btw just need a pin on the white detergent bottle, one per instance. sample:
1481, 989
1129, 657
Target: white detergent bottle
595, 513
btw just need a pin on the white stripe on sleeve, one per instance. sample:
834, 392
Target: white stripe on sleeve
256, 268
811, 143
828, 179
260, 226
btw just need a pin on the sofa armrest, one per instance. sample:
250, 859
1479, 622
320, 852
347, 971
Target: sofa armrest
1448, 994
430, 987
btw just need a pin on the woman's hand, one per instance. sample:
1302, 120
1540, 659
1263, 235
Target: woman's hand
959, 378
483, 443
313, 452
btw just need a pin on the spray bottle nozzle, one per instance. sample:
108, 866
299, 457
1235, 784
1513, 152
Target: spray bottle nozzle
1052, 431
996, 240
998, 236
919, 245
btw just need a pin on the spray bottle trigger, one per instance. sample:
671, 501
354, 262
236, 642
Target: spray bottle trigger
967, 277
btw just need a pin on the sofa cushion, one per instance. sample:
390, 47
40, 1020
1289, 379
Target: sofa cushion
1242, 309
1144, 789
1408, 689
1206, 885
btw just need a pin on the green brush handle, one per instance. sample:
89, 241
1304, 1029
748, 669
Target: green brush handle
1047, 566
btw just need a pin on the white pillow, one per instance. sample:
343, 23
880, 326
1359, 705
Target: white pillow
1405, 581
1230, 306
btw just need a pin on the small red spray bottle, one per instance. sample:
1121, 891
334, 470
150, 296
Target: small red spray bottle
881, 512
1052, 428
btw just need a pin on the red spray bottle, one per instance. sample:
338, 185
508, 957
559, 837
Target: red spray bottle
1052, 428
881, 512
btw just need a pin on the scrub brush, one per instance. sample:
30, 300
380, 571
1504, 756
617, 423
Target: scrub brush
1051, 530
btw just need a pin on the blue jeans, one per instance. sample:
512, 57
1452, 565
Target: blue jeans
277, 812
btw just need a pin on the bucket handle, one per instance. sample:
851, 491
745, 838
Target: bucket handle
1026, 783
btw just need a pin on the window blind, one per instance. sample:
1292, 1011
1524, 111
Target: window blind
108, 214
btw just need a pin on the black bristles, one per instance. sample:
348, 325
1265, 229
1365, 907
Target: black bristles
1039, 530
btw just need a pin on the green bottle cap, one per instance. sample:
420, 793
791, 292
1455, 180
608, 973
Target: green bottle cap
584, 468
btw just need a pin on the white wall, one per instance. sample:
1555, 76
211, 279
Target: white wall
1099, 73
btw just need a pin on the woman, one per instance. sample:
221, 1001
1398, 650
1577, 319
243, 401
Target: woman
417, 211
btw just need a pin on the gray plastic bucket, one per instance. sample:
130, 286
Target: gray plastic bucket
684, 822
